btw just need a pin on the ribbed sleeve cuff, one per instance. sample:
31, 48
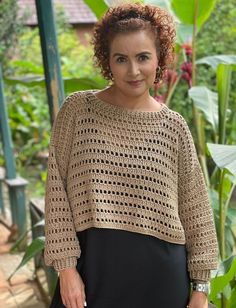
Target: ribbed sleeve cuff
64, 263
204, 275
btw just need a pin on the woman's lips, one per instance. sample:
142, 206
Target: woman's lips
135, 83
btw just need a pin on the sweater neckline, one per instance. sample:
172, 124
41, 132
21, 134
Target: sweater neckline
119, 111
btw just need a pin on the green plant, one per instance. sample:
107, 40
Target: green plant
27, 103
212, 107
10, 27
224, 283
215, 111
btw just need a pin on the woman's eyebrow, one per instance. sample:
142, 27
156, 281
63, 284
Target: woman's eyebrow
139, 54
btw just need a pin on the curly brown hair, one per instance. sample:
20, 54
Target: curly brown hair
131, 17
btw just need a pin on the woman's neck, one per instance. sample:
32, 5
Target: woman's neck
143, 102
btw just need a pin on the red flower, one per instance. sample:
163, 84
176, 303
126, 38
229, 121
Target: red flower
187, 67
188, 49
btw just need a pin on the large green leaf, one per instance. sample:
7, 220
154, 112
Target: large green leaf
161, 3
98, 7
233, 297
229, 180
35, 247
117, 2
224, 156
19, 241
207, 101
185, 10
79, 84
226, 273
28, 66
71, 84
40, 223
214, 61
184, 33
223, 76
29, 80
231, 216
232, 136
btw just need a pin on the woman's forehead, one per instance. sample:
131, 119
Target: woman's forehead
133, 41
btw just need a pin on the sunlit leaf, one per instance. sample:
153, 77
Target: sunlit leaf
71, 84
224, 156
207, 101
29, 80
231, 215
214, 61
29, 66
185, 10
184, 33
35, 247
223, 76
226, 272
161, 3
98, 7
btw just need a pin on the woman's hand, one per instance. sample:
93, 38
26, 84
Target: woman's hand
198, 300
72, 288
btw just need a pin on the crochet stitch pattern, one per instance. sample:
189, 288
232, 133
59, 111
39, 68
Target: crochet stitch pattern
112, 167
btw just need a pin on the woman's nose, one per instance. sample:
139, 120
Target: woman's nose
133, 69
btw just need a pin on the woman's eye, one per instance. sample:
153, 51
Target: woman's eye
143, 58
120, 60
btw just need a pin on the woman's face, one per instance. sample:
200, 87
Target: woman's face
133, 62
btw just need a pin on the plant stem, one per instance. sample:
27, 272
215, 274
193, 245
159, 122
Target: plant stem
194, 42
197, 118
222, 216
171, 91
205, 170
229, 197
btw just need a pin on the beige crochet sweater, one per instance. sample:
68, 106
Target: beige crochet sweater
111, 167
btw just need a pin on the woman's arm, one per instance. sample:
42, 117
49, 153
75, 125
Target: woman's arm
62, 247
195, 210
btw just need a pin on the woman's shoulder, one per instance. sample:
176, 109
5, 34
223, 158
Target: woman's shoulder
75, 100
77, 96
177, 119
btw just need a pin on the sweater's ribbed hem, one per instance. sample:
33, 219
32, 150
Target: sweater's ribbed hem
64, 263
204, 275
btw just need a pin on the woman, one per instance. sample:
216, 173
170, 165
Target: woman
128, 219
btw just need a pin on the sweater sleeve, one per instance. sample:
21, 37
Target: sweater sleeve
61, 246
195, 211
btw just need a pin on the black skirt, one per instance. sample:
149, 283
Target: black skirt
122, 269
